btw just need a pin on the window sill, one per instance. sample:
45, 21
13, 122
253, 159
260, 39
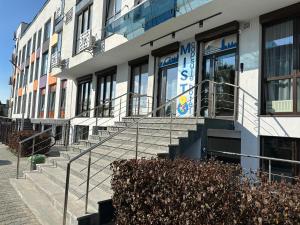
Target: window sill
280, 115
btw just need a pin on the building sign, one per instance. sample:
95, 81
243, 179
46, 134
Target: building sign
186, 78
168, 60
221, 44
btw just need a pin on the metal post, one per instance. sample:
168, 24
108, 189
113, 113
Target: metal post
18, 160
270, 171
32, 153
148, 105
214, 100
97, 114
66, 194
235, 104
88, 184
171, 122
120, 109
137, 141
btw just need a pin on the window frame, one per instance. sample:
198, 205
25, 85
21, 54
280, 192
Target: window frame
51, 102
112, 75
80, 105
295, 74
47, 27
295, 151
44, 68
81, 14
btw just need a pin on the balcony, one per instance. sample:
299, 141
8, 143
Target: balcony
149, 14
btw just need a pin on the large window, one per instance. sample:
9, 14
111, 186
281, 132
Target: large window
51, 102
33, 104
83, 98
139, 104
42, 102
36, 74
106, 89
47, 30
114, 8
31, 72
33, 43
56, 49
45, 64
39, 39
28, 50
283, 148
84, 23
29, 105
25, 76
280, 68
63, 93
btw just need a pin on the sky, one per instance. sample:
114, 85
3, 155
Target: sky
12, 13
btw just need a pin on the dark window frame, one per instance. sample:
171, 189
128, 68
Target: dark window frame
131, 88
88, 8
63, 97
52, 99
295, 74
295, 153
80, 109
100, 111
47, 28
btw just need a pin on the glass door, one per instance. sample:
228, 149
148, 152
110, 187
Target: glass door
167, 89
220, 68
139, 101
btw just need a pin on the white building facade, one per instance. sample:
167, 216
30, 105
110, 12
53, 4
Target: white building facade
79, 55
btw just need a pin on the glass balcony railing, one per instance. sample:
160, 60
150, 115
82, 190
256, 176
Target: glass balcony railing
150, 14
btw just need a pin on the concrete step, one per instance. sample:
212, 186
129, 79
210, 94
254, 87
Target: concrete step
99, 177
58, 175
149, 124
182, 120
143, 139
149, 132
55, 195
38, 203
151, 148
120, 152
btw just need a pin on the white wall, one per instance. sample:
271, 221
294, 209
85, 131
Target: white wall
249, 92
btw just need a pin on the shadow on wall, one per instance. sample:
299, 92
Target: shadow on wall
5, 162
249, 114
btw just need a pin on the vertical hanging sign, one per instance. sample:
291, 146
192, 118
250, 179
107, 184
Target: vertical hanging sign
186, 78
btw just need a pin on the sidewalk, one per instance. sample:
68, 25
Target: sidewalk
12, 209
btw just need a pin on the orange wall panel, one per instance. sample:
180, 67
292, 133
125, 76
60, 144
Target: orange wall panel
32, 58
51, 80
35, 85
20, 91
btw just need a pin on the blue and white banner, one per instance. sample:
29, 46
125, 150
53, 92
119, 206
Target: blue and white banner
186, 78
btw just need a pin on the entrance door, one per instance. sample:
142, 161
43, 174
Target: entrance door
139, 101
220, 68
167, 88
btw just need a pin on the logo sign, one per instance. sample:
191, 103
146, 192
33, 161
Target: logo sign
85, 40
168, 60
221, 44
186, 78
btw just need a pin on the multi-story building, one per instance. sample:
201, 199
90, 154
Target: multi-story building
77, 57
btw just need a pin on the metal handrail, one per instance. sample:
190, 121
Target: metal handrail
68, 121
270, 159
117, 133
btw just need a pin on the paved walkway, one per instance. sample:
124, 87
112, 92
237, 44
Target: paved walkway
12, 209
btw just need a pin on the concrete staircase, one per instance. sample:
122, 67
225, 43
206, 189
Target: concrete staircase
43, 190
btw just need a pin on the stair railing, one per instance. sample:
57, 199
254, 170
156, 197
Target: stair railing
36, 147
213, 106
